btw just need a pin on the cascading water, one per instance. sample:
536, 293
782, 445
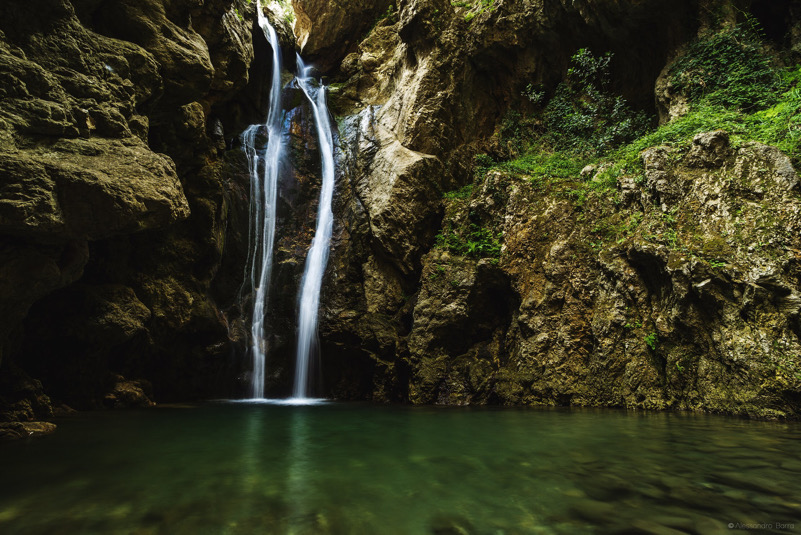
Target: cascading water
263, 165
317, 258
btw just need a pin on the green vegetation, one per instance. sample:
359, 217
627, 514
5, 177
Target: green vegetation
584, 117
728, 68
482, 163
730, 84
583, 122
391, 15
546, 165
727, 77
476, 7
470, 240
651, 340
463, 193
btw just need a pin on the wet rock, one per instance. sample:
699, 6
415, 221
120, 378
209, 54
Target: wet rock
22, 398
127, 394
19, 430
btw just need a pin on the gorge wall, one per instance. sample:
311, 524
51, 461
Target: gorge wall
123, 213
579, 307
113, 207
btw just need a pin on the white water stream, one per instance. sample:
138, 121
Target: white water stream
316, 260
263, 165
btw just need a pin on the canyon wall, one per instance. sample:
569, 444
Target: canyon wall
123, 212
577, 308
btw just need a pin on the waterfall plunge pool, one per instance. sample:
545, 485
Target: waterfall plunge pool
343, 468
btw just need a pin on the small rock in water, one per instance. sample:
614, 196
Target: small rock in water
595, 511
792, 465
451, 525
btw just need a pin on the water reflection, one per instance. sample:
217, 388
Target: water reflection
360, 469
299, 468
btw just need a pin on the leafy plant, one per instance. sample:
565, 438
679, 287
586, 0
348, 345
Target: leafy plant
483, 6
535, 95
482, 163
462, 193
473, 241
391, 15
728, 68
651, 340
584, 116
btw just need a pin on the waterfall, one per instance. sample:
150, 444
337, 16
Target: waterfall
316, 260
263, 166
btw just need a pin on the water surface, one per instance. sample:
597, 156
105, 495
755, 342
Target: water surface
363, 469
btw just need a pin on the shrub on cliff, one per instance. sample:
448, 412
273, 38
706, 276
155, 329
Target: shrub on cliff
584, 115
728, 68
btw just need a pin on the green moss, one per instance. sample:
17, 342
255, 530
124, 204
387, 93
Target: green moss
476, 7
542, 164
463, 193
778, 125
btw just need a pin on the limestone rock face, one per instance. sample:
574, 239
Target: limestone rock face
327, 31
123, 213
552, 321
695, 309
88, 190
111, 175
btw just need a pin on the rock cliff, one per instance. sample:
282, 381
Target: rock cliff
577, 308
123, 212
113, 203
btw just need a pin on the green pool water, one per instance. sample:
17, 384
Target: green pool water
233, 468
